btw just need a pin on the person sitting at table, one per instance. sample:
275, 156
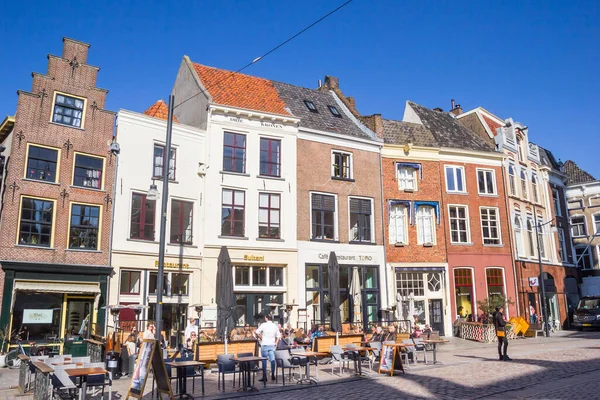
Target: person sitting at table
427, 331
390, 336
417, 332
235, 335
318, 333
189, 343
150, 332
131, 345
377, 335
301, 337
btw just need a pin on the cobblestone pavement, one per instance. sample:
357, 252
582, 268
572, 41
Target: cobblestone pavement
564, 366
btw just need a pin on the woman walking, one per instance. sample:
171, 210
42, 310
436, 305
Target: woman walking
500, 325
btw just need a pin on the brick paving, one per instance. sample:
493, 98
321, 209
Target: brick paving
564, 366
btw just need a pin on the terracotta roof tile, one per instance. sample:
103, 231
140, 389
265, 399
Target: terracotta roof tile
493, 125
242, 91
576, 175
159, 110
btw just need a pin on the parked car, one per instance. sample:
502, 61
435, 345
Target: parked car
587, 313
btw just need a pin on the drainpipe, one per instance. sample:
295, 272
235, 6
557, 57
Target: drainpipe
382, 202
510, 239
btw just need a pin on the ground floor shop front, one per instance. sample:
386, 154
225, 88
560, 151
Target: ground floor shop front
478, 277
562, 293
264, 282
362, 284
134, 285
53, 305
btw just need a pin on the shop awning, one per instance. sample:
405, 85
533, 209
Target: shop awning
420, 269
56, 287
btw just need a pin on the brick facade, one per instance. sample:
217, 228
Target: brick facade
70, 75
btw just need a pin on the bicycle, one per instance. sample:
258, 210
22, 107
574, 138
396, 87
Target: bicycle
12, 359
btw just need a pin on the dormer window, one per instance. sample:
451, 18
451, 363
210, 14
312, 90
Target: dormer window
334, 111
311, 106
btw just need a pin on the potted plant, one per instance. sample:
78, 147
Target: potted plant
4, 336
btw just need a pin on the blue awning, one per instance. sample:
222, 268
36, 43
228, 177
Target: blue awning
405, 203
411, 165
434, 204
420, 269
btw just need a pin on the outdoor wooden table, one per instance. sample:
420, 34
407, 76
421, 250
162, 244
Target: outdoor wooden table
435, 343
357, 350
309, 354
245, 368
182, 367
83, 373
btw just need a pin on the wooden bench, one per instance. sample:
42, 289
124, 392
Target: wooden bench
323, 344
534, 330
351, 338
208, 351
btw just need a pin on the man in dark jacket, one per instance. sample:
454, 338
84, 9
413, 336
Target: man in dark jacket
500, 325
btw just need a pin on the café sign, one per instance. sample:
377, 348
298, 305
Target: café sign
342, 257
250, 257
32, 316
173, 265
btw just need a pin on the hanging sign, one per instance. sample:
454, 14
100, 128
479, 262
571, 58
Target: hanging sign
534, 282
37, 316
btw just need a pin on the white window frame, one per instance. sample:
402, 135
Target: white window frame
401, 180
493, 182
532, 249
556, 202
594, 223
392, 221
524, 184
573, 201
520, 153
562, 243
541, 234
419, 226
512, 179
596, 197
335, 216
267, 287
499, 238
520, 239
350, 164
571, 225
453, 169
467, 223
372, 221
589, 253
535, 194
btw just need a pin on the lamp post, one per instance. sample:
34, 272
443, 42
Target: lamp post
153, 195
538, 229
288, 309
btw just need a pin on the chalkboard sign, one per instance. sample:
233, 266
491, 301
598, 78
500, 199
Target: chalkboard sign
388, 357
150, 359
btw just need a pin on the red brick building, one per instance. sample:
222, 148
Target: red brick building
57, 201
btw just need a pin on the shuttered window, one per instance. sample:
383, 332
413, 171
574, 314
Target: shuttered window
360, 220
323, 216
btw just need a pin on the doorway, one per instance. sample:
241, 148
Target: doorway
436, 315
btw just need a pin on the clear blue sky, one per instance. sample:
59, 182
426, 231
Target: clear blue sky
535, 61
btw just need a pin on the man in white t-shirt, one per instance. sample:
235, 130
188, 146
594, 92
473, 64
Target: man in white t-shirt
269, 336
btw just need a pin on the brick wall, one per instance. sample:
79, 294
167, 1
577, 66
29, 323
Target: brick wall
314, 174
33, 116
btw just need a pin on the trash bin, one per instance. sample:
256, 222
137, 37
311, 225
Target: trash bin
112, 364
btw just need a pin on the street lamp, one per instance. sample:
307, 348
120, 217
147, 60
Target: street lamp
288, 309
199, 308
153, 194
538, 229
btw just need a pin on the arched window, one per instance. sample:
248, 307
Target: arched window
534, 189
519, 236
523, 184
512, 179
530, 238
540, 233
398, 224
425, 225
463, 289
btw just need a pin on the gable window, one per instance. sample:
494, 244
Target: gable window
142, 217
578, 228
540, 237
181, 221
233, 212
159, 154
269, 209
583, 257
68, 110
341, 167
455, 181
270, 157
556, 201
520, 153
459, 224
88, 171
523, 185
85, 223
360, 220
35, 225
41, 163
407, 178
575, 204
534, 189
323, 216
311, 106
490, 225
531, 245
234, 152
596, 219
486, 181
519, 236
334, 111
425, 225
398, 224
130, 282
562, 245
512, 180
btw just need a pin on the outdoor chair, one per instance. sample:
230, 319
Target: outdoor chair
420, 347
376, 352
100, 381
283, 362
254, 367
409, 352
189, 371
339, 356
357, 357
63, 386
226, 367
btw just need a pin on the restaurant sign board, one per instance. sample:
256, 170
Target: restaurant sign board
32, 316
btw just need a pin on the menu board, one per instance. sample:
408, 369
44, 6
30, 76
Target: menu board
388, 356
150, 358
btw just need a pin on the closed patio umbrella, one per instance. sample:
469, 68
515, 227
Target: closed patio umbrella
333, 270
356, 294
225, 295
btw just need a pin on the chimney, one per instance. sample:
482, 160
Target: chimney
375, 123
331, 82
455, 109
351, 101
